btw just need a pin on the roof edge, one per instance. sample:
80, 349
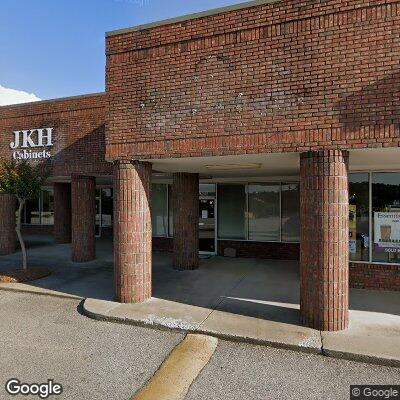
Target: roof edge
189, 17
81, 96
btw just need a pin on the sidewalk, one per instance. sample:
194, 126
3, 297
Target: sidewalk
238, 299
372, 337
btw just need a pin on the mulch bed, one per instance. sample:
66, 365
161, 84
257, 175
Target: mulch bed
20, 275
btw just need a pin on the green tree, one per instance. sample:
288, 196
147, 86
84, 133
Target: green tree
24, 181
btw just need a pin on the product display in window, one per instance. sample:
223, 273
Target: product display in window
386, 217
359, 217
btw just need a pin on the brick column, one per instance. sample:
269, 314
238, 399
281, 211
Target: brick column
62, 213
185, 205
132, 231
324, 260
8, 206
83, 199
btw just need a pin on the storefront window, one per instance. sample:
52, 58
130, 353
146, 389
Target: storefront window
106, 207
290, 212
170, 214
207, 189
47, 213
231, 211
159, 209
264, 212
359, 240
40, 211
32, 212
386, 217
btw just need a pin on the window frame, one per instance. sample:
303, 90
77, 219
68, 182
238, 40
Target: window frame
40, 200
246, 184
370, 215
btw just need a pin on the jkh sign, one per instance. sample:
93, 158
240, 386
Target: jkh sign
27, 143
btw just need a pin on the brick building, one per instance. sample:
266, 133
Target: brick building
270, 128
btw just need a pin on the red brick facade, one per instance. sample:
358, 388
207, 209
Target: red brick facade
62, 213
83, 200
324, 257
374, 276
8, 237
78, 132
185, 206
283, 76
132, 231
272, 251
37, 229
313, 77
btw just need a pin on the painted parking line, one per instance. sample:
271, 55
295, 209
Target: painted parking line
178, 371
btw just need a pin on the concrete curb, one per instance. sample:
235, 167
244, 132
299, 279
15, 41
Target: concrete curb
158, 326
90, 305
22, 288
369, 359
105, 314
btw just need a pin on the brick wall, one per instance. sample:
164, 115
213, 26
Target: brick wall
288, 76
37, 229
374, 276
162, 244
275, 251
78, 136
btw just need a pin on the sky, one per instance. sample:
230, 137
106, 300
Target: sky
55, 48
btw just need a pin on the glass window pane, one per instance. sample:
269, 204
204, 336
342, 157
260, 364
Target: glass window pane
207, 189
106, 207
98, 212
386, 217
264, 212
359, 217
159, 210
290, 212
231, 212
47, 206
170, 214
32, 212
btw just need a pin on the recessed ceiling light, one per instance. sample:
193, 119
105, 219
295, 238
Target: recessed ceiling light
226, 167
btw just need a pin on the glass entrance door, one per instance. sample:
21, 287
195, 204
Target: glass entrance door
207, 225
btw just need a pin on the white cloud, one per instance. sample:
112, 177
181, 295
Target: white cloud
12, 96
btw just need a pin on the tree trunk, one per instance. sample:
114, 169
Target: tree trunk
18, 230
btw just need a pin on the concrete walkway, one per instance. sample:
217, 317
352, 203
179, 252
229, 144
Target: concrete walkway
238, 299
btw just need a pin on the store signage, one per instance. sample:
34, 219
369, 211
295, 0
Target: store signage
387, 231
26, 144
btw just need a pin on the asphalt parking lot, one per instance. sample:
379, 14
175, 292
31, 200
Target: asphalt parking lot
45, 337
